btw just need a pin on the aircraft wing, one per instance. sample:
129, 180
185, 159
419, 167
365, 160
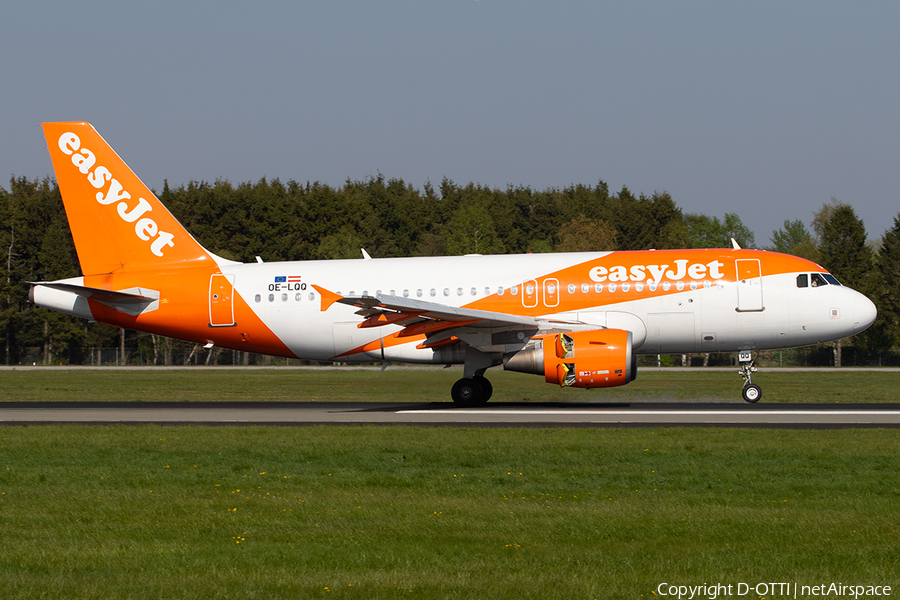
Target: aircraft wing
442, 324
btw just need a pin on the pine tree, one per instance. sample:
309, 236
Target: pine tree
846, 255
888, 262
844, 250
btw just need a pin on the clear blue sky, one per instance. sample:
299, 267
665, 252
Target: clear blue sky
766, 109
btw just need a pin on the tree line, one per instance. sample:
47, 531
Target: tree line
391, 218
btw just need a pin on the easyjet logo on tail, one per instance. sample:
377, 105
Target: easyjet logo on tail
100, 177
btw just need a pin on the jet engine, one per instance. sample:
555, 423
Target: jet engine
586, 359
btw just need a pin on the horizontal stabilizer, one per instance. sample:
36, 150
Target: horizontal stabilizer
132, 301
98, 294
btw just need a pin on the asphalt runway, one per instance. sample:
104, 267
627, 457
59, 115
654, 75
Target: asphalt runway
501, 414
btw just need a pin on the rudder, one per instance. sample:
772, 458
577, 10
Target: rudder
117, 223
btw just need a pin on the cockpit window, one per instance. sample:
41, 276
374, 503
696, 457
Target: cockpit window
816, 280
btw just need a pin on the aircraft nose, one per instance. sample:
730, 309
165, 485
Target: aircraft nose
864, 313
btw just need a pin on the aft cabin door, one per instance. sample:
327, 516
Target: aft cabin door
221, 301
749, 281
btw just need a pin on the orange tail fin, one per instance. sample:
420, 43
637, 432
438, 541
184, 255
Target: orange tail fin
117, 223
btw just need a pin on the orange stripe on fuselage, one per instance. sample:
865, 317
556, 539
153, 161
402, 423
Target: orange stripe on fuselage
632, 274
183, 311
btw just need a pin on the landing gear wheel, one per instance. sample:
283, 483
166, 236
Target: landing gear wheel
467, 392
751, 393
486, 388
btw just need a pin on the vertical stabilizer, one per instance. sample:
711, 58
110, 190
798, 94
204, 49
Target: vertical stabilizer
117, 223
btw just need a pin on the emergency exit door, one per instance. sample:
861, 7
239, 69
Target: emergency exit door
749, 282
221, 301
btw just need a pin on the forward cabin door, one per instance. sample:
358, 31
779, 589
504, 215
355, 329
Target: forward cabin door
749, 282
221, 301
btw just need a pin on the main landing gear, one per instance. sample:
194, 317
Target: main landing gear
474, 389
471, 391
751, 392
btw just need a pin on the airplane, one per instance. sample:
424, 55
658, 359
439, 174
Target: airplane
577, 319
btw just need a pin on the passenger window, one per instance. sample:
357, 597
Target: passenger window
817, 280
802, 280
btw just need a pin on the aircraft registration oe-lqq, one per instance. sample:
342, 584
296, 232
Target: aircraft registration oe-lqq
578, 319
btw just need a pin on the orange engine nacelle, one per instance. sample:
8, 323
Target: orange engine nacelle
586, 359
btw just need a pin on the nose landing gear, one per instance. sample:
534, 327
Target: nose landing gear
751, 392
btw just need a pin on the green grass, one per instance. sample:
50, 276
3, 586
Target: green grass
408, 512
433, 385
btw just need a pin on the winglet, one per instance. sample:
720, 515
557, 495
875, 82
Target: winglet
735, 245
328, 297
